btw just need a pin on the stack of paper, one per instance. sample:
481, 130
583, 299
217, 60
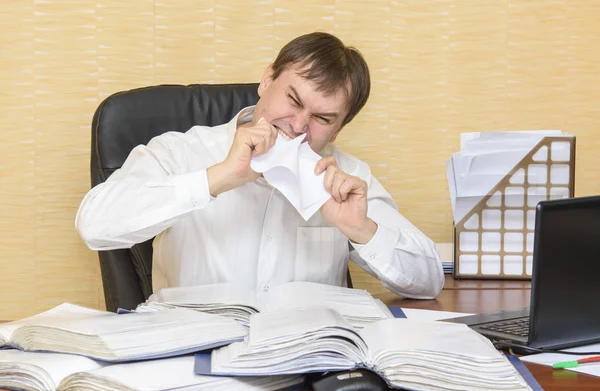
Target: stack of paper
54, 371
64, 312
417, 355
448, 267
167, 374
225, 299
39, 371
486, 158
135, 336
356, 305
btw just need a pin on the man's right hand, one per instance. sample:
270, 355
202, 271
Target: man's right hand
234, 171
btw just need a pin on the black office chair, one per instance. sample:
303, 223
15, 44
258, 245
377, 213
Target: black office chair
130, 118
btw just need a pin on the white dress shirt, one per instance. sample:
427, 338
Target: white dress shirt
251, 235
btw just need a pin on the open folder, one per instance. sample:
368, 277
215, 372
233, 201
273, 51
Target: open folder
357, 306
116, 338
405, 353
495, 183
67, 372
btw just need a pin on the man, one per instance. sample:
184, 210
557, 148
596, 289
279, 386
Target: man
218, 221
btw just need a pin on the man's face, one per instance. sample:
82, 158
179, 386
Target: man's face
294, 106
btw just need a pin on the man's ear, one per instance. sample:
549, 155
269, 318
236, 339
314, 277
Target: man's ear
266, 79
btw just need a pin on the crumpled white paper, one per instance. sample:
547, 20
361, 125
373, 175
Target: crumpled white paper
289, 167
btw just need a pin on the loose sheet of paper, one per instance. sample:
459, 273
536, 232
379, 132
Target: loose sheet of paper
553, 358
429, 315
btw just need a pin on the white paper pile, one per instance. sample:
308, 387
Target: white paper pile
167, 374
356, 305
417, 355
66, 372
39, 371
226, 299
131, 336
486, 158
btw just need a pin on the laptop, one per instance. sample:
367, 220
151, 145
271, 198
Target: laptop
565, 286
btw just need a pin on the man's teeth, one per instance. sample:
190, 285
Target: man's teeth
285, 136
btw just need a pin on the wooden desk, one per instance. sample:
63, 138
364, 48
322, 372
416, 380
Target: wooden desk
488, 296
451, 283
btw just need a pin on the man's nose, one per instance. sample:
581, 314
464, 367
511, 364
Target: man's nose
300, 122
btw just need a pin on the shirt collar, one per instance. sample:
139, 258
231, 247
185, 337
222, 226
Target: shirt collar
244, 116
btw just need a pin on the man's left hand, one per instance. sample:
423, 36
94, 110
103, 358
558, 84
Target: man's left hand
347, 207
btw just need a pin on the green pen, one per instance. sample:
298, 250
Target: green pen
575, 363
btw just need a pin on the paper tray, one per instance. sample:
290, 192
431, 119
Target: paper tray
495, 238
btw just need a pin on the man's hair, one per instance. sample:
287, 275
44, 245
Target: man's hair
325, 60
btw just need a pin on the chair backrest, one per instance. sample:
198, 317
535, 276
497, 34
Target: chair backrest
130, 118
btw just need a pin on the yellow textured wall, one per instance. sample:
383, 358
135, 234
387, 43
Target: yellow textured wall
439, 68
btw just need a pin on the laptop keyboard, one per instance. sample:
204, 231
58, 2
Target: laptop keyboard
517, 326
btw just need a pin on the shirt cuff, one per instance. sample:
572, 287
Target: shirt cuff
379, 247
192, 188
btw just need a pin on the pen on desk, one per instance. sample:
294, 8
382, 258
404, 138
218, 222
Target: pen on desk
575, 363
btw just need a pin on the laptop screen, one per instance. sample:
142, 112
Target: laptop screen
566, 272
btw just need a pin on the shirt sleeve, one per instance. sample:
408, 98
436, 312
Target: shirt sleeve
144, 197
399, 254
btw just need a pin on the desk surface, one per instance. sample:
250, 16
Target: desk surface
451, 283
489, 296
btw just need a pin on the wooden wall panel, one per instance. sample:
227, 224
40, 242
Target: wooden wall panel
125, 45
184, 42
582, 95
65, 94
17, 159
438, 68
244, 41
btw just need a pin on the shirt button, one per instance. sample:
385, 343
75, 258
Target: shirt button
266, 288
194, 203
269, 238
372, 256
